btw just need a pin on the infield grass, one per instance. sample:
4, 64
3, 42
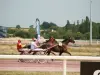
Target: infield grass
75, 51
35, 73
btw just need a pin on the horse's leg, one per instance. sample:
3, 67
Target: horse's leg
34, 53
68, 53
53, 53
30, 51
61, 50
60, 53
48, 52
21, 53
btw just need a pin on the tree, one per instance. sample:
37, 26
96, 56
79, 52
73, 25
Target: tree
23, 34
78, 35
87, 35
31, 26
67, 26
77, 22
11, 31
32, 31
18, 26
53, 26
69, 33
45, 25
85, 26
95, 30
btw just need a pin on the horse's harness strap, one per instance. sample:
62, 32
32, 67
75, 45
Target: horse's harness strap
64, 46
52, 46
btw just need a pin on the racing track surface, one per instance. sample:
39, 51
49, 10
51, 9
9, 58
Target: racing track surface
14, 65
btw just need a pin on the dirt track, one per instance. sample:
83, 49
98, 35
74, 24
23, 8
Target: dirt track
14, 65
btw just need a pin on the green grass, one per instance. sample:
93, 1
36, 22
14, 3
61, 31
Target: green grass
34, 73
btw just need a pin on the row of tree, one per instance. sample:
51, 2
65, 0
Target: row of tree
77, 31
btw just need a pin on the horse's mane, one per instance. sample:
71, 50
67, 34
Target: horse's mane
49, 40
66, 39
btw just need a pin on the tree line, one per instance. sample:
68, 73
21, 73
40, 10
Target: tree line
77, 31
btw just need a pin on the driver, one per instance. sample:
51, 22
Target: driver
34, 46
20, 48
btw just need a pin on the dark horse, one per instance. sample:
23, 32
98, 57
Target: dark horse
58, 48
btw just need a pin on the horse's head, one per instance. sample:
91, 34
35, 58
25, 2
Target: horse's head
67, 40
56, 42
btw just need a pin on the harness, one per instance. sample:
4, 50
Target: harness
51, 46
64, 46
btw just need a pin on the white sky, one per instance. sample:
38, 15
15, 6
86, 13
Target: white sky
25, 12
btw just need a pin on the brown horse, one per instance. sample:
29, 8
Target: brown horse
60, 49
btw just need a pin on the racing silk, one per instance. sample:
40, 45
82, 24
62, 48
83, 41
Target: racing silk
33, 45
19, 45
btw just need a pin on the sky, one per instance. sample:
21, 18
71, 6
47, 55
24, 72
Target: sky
25, 12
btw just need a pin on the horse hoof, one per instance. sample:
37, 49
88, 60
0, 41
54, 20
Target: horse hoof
52, 60
20, 60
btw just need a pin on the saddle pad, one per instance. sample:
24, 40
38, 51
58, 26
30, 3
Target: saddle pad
60, 43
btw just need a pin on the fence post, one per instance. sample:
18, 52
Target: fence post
97, 42
64, 67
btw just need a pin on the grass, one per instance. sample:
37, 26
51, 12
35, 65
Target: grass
92, 46
75, 51
34, 73
8, 49
85, 51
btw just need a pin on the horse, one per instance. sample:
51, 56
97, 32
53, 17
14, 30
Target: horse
60, 49
56, 47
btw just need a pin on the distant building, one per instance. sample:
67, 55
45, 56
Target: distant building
3, 31
53, 30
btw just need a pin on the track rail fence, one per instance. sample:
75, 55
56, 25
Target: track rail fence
64, 58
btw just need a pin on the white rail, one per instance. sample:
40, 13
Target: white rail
64, 58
